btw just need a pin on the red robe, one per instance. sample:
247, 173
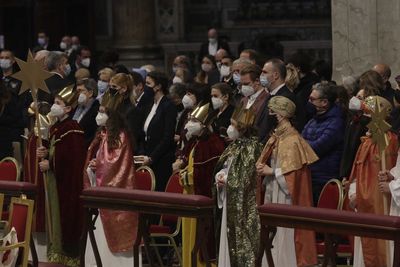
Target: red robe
32, 174
369, 199
67, 165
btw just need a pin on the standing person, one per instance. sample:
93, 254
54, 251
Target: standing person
221, 94
364, 192
157, 136
109, 162
236, 193
324, 132
197, 176
284, 164
63, 161
103, 82
209, 73
85, 113
212, 45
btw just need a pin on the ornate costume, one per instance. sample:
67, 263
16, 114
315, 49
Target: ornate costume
289, 156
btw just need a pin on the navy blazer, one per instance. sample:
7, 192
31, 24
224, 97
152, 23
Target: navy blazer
159, 140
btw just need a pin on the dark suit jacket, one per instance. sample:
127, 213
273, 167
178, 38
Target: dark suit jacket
55, 84
160, 145
88, 122
146, 99
204, 48
263, 122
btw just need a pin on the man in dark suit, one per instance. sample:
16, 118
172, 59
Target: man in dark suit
273, 78
57, 64
212, 45
82, 58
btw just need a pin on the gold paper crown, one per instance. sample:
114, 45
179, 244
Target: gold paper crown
69, 96
45, 123
384, 104
244, 117
201, 113
44, 108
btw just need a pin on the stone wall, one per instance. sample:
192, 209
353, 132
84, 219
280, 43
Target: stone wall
365, 32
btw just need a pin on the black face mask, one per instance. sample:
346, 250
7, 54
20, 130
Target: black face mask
113, 91
273, 121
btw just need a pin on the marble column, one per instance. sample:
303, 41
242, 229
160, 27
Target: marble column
134, 34
365, 32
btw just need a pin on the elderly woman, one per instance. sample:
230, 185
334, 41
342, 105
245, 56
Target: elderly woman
105, 76
85, 113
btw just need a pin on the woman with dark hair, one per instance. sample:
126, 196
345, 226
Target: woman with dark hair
221, 94
109, 162
209, 73
157, 138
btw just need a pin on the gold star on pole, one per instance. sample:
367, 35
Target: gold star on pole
32, 75
378, 126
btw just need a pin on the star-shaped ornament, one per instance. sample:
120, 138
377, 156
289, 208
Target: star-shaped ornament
378, 126
32, 75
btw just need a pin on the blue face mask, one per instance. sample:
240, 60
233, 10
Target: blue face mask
67, 69
311, 109
264, 81
102, 86
236, 78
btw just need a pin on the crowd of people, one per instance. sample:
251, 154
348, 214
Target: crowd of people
237, 130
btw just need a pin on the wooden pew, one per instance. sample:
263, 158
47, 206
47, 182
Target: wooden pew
326, 221
146, 203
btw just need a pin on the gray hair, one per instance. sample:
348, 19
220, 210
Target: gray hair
53, 59
90, 85
326, 90
242, 61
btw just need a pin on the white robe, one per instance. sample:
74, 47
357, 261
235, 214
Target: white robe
283, 251
223, 256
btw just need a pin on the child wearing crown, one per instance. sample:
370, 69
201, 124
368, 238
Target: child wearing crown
63, 164
236, 193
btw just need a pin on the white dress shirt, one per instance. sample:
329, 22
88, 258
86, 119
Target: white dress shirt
212, 48
151, 115
252, 99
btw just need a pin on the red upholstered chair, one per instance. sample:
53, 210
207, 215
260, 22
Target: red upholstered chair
9, 169
145, 178
332, 197
21, 215
165, 229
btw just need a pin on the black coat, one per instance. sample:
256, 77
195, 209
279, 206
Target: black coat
88, 122
222, 122
159, 143
264, 124
55, 84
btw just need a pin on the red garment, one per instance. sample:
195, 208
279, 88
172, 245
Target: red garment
369, 199
32, 174
67, 165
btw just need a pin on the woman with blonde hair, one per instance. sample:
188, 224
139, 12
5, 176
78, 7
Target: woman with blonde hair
120, 90
105, 76
292, 77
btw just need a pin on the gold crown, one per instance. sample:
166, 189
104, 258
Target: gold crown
201, 113
69, 95
45, 123
244, 117
384, 104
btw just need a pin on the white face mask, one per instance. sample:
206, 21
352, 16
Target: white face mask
176, 79
193, 129
217, 102
219, 64
82, 99
247, 90
225, 71
206, 67
5, 64
74, 47
86, 62
174, 69
187, 102
212, 40
63, 46
101, 119
232, 133
102, 86
56, 111
67, 70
